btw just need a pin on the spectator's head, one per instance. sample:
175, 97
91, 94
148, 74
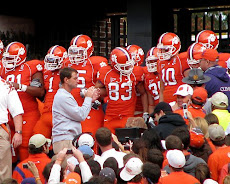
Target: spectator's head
202, 124
140, 148
83, 139
173, 142
86, 151
202, 172
28, 181
94, 166
131, 170
73, 178
196, 77
199, 97
38, 144
108, 173
152, 139
161, 109
211, 119
176, 159
184, 93
69, 78
112, 163
9, 181
196, 138
155, 156
216, 134
219, 101
184, 135
151, 172
103, 137
209, 58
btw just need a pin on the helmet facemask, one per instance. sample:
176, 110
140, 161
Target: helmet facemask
11, 61
77, 55
165, 52
53, 62
151, 63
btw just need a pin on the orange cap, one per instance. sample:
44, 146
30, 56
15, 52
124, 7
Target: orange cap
210, 54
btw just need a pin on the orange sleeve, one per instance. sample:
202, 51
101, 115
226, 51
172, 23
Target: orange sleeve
213, 166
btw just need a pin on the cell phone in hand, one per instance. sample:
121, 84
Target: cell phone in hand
185, 110
69, 151
25, 166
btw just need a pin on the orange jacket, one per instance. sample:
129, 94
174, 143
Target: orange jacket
40, 161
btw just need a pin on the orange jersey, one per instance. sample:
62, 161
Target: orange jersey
121, 93
152, 84
23, 75
87, 74
51, 85
223, 57
217, 160
171, 73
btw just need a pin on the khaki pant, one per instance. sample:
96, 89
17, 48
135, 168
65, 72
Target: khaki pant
5, 155
60, 145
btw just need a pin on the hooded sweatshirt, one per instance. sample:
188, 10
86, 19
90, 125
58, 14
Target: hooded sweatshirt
219, 81
168, 123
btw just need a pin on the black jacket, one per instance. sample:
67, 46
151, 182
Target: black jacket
168, 123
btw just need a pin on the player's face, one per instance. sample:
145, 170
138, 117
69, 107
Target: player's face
73, 81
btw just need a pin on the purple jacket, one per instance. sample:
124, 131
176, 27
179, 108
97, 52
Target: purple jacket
220, 81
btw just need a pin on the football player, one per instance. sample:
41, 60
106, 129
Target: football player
171, 66
26, 77
141, 109
119, 81
209, 39
53, 63
79, 57
152, 79
194, 53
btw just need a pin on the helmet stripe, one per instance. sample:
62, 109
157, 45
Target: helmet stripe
125, 52
151, 51
75, 39
8, 46
191, 50
198, 35
54, 47
161, 37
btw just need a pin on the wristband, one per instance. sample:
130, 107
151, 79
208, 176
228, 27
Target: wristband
24, 87
37, 178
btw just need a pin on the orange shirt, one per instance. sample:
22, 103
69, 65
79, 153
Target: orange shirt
122, 95
223, 57
178, 178
171, 73
40, 161
217, 160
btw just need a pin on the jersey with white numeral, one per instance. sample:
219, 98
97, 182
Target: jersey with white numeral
51, 85
152, 84
87, 74
23, 75
171, 73
121, 92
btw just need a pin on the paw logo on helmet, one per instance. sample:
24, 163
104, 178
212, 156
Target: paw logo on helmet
114, 58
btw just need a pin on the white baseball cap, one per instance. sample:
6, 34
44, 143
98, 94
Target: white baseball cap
210, 181
219, 99
184, 90
38, 140
176, 158
132, 168
86, 139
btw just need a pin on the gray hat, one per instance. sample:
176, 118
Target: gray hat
196, 76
